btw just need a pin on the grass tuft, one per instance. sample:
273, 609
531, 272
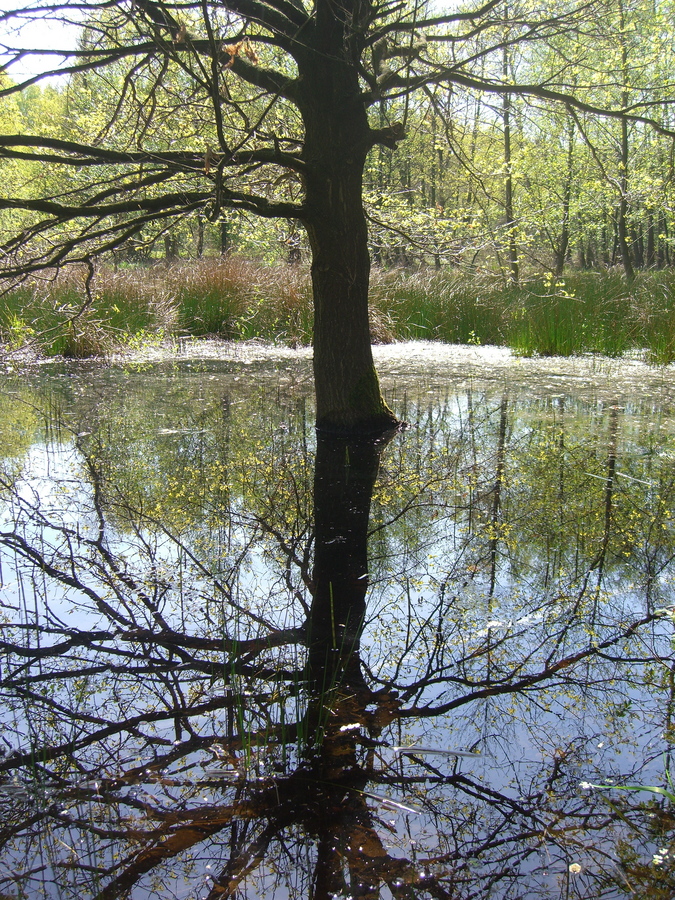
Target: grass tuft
237, 299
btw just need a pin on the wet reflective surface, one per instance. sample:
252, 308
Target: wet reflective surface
240, 662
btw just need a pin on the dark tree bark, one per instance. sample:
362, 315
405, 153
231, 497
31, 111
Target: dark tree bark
337, 140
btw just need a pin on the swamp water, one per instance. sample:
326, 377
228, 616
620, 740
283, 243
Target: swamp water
236, 661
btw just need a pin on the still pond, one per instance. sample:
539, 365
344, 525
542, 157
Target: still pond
240, 661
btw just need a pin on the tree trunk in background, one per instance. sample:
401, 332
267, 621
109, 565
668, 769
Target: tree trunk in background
511, 228
651, 244
622, 212
606, 252
638, 246
563, 244
170, 247
200, 237
662, 245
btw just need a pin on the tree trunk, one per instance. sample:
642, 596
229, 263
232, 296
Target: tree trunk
662, 246
622, 212
563, 244
347, 388
200, 237
337, 140
170, 247
638, 246
622, 224
651, 243
606, 253
511, 226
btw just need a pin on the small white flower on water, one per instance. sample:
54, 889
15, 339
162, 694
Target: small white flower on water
574, 869
657, 859
601, 745
586, 785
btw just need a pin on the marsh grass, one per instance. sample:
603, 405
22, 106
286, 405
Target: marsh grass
238, 299
442, 306
586, 312
58, 318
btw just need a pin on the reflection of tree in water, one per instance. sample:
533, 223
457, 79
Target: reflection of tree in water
193, 720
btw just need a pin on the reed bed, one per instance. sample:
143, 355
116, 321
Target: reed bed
238, 299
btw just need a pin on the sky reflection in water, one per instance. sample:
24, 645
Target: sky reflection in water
240, 663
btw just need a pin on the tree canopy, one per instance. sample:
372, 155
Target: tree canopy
274, 108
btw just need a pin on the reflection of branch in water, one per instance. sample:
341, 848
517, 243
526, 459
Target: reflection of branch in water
112, 716
599, 561
497, 491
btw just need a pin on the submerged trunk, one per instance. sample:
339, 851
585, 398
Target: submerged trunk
337, 140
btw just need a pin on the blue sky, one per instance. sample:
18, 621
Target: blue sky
35, 30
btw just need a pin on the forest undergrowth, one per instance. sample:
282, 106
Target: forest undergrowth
240, 299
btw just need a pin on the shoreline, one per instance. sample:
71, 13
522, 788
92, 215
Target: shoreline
590, 376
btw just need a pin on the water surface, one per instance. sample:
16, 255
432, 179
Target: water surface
238, 662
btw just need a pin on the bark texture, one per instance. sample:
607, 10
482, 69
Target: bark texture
337, 140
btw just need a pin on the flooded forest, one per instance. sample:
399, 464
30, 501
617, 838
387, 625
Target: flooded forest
390, 617
241, 660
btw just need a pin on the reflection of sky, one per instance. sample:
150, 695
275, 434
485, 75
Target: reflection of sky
54, 486
601, 728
